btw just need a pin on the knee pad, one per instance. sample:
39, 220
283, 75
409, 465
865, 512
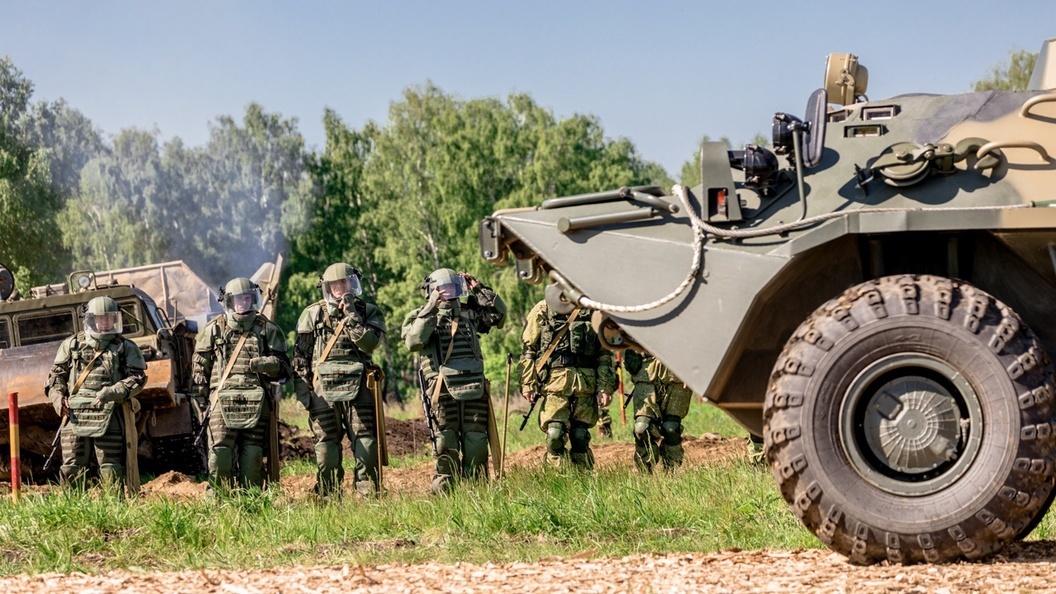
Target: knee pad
328, 455
641, 428
671, 430
220, 461
580, 438
555, 437
111, 474
447, 442
475, 454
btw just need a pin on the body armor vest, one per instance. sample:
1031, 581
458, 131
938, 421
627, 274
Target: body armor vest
341, 374
579, 346
242, 397
89, 418
463, 371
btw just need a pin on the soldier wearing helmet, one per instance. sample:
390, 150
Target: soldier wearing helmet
661, 401
95, 371
332, 356
444, 332
564, 363
236, 357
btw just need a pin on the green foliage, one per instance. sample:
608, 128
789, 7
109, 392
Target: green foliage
1009, 76
401, 199
28, 203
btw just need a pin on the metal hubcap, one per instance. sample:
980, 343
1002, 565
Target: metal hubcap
906, 424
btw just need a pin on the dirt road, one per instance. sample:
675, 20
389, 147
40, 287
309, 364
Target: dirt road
1025, 567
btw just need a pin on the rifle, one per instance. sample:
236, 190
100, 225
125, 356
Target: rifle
56, 440
430, 419
524, 419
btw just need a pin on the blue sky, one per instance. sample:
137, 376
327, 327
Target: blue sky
659, 73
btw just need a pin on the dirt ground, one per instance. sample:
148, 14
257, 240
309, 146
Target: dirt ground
1023, 567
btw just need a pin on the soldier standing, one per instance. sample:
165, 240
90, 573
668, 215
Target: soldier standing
332, 357
661, 401
236, 357
564, 364
95, 372
445, 334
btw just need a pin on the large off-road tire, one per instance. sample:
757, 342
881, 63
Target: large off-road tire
911, 419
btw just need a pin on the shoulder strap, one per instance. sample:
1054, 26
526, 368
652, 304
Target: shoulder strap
553, 344
84, 373
440, 372
231, 361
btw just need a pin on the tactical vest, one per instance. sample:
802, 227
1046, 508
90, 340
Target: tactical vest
341, 374
579, 347
88, 417
242, 398
463, 370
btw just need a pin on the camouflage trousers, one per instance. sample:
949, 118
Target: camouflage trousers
237, 452
462, 439
567, 413
331, 423
109, 451
658, 412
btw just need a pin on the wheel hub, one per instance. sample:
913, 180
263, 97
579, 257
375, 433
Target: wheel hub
906, 422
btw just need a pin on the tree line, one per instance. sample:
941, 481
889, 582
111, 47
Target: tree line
396, 199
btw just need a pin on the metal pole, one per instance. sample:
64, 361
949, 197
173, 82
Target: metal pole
505, 415
16, 463
619, 386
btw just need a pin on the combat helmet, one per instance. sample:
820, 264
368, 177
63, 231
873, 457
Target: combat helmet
340, 282
102, 317
240, 298
451, 284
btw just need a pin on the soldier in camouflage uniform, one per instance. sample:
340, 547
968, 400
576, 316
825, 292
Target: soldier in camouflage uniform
574, 382
95, 372
236, 357
332, 356
661, 401
445, 334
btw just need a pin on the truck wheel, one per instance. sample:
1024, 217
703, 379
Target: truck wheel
912, 419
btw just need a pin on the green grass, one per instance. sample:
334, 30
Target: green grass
532, 514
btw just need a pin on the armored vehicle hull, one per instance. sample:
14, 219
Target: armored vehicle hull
879, 310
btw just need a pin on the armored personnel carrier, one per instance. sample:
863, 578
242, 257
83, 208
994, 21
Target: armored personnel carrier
162, 306
874, 295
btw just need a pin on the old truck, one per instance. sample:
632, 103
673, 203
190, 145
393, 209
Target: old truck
163, 306
874, 295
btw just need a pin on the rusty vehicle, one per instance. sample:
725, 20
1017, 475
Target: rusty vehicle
874, 295
162, 305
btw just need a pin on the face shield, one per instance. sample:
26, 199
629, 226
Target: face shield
342, 289
98, 325
242, 303
452, 288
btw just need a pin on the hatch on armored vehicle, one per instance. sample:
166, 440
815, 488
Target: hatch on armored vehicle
874, 295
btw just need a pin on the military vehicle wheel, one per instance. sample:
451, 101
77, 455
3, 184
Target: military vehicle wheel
912, 419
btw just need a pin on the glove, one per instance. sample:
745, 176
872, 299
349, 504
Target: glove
604, 399
435, 298
61, 404
471, 281
112, 393
265, 365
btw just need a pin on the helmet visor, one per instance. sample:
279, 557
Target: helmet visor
453, 288
336, 290
242, 303
102, 324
